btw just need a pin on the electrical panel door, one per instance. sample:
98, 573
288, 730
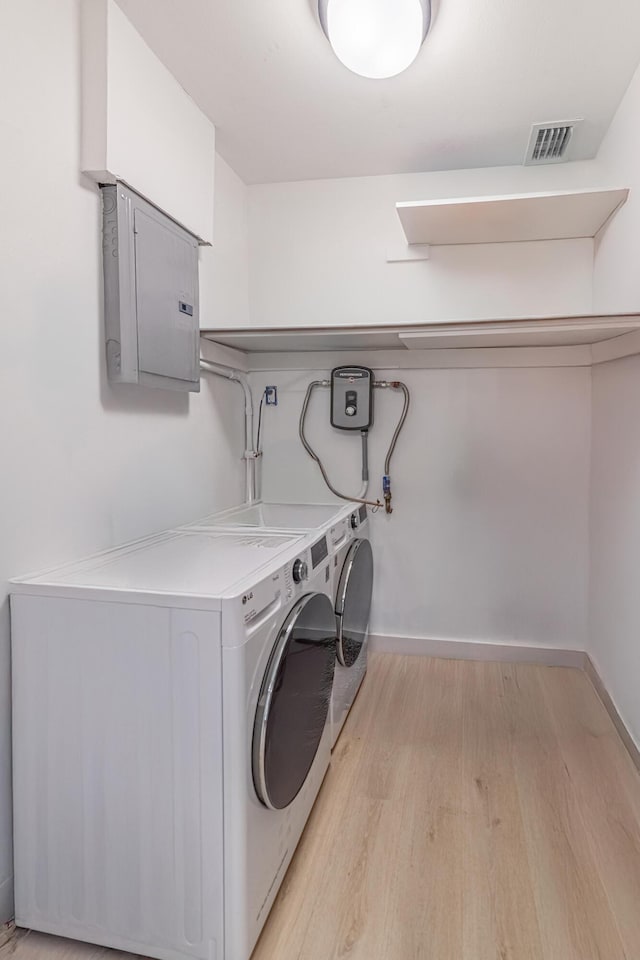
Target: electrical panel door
151, 294
166, 298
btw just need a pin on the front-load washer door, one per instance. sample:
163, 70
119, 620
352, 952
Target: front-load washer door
294, 701
353, 602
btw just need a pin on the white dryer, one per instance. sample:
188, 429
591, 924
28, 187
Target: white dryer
170, 738
352, 582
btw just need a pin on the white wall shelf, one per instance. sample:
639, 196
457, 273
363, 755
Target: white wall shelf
560, 215
520, 332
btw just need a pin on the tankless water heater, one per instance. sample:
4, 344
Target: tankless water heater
352, 398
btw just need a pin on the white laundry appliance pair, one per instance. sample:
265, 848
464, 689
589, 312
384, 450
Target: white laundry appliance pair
351, 558
170, 737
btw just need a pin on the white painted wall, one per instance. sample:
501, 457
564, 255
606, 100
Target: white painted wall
616, 282
85, 465
615, 534
224, 267
139, 125
489, 539
318, 253
615, 463
489, 536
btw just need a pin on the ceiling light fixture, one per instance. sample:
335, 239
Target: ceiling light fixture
375, 38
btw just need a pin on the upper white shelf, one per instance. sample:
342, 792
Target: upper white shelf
561, 215
519, 332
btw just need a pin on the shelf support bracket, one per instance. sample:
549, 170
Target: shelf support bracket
405, 252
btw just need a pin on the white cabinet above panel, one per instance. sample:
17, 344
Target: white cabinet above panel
560, 215
138, 124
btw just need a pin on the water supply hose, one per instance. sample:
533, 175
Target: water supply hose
314, 456
386, 480
364, 434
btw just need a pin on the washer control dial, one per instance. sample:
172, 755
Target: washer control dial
354, 520
300, 571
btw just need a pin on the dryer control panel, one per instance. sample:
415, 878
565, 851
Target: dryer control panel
352, 398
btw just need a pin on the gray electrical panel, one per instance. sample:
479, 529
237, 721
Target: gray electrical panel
352, 398
150, 293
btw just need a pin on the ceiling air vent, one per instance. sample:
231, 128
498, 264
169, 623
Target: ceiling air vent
549, 142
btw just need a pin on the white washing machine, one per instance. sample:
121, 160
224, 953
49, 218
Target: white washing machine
347, 527
170, 737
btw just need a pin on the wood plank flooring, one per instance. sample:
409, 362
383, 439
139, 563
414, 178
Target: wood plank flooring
473, 811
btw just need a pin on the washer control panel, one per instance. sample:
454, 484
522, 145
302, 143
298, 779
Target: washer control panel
294, 578
296, 574
319, 552
300, 570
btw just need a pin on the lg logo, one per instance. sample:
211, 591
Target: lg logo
247, 597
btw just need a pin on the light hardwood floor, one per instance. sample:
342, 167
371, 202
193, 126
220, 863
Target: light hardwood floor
473, 811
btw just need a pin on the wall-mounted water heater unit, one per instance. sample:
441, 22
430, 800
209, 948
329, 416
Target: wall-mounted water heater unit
150, 294
352, 409
352, 398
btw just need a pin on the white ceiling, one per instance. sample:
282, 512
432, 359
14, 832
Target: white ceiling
286, 108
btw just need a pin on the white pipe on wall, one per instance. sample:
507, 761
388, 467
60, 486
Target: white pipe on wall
250, 453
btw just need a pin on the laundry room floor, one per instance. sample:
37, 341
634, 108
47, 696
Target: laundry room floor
473, 811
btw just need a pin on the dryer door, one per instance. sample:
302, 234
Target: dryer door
353, 601
294, 701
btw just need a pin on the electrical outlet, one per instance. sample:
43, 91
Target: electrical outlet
271, 396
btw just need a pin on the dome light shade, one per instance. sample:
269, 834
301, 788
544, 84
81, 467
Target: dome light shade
375, 38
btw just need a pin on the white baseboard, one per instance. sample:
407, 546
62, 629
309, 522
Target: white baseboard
477, 650
611, 708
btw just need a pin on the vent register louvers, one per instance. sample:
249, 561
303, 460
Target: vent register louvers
549, 142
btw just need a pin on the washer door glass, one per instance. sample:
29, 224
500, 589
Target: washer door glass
294, 701
353, 601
